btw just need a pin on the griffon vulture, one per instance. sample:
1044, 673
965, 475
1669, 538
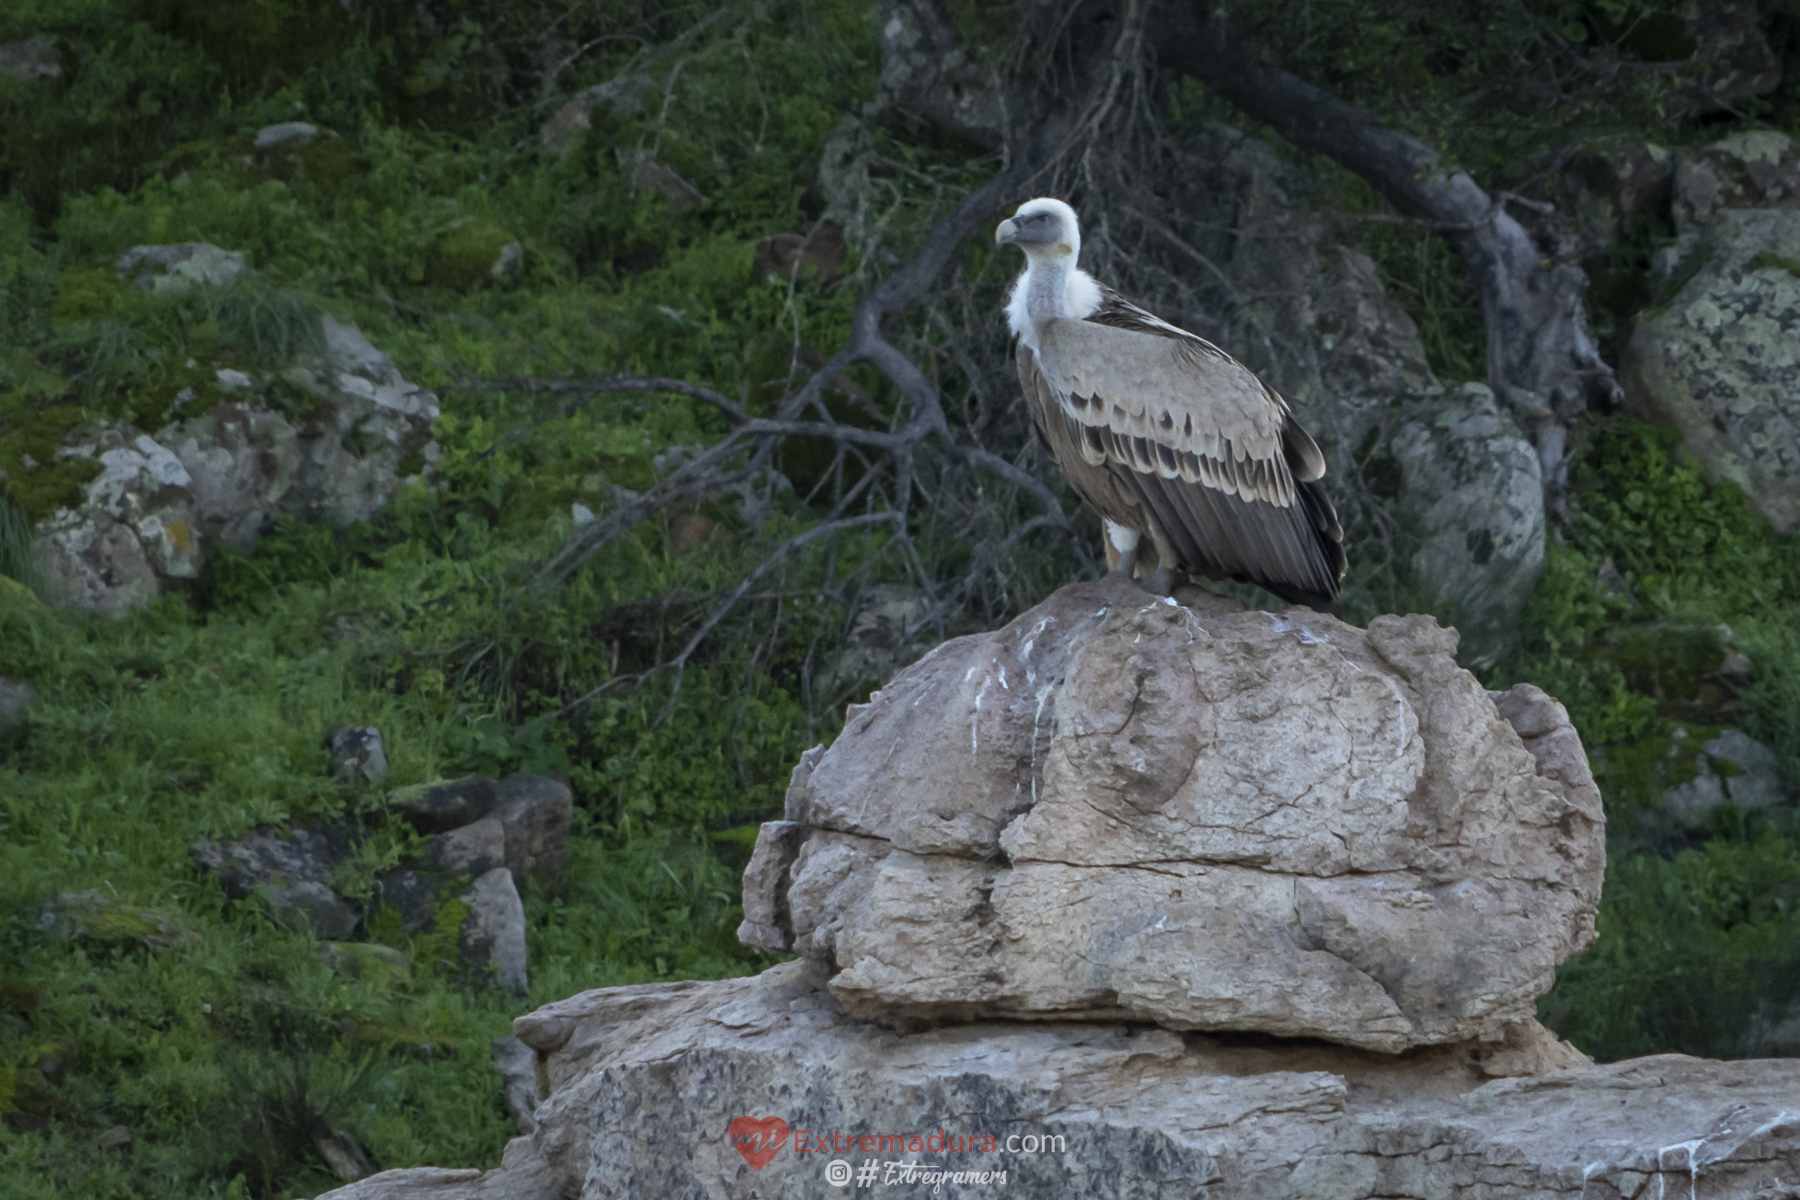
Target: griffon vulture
1164, 434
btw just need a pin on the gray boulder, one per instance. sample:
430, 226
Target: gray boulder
476, 848
293, 875
293, 134
530, 817
492, 936
179, 267
1732, 767
445, 804
644, 1083
535, 813
1471, 497
1756, 168
1720, 362
357, 753
517, 1064
1204, 817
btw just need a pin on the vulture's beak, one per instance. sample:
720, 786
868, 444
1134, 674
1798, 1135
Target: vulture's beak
1006, 234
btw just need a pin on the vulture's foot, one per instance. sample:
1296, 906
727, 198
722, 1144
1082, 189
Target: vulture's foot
1162, 582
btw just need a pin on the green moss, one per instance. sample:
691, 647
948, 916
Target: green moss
87, 294
1768, 260
32, 430
463, 257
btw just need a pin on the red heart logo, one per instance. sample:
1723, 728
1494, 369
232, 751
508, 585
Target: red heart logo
758, 1139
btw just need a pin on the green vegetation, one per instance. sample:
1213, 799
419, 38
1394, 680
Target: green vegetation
229, 1051
225, 1043
1633, 628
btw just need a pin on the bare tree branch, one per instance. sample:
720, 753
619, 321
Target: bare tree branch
1541, 357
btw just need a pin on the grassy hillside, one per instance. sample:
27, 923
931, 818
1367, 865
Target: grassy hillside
216, 1037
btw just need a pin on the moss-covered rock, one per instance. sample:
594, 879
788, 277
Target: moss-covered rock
472, 255
95, 917
1721, 361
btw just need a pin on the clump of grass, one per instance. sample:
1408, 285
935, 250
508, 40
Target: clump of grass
18, 552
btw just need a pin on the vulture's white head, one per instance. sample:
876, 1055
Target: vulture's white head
1042, 228
1047, 231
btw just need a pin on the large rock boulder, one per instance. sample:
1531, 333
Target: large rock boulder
640, 1089
1720, 361
1203, 817
1469, 495
293, 874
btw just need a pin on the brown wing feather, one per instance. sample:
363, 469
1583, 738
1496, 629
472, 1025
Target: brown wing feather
1190, 439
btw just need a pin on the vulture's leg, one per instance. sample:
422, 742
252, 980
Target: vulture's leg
1123, 541
1162, 582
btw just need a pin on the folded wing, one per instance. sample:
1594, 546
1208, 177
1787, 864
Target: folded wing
1189, 436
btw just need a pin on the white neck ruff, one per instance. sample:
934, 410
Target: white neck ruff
1049, 288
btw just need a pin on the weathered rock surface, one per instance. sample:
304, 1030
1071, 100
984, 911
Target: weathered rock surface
357, 753
1205, 817
1721, 362
639, 1085
535, 812
1473, 496
446, 804
477, 847
1756, 168
293, 874
521, 820
180, 266
225, 473
285, 133
517, 1064
1734, 768
492, 936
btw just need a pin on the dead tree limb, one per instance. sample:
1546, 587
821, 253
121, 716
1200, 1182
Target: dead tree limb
1541, 357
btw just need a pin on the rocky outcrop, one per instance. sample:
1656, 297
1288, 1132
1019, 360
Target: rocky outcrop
1470, 500
1721, 361
640, 1085
1202, 817
292, 874
487, 836
1715, 353
351, 427
357, 754
1180, 830
492, 936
